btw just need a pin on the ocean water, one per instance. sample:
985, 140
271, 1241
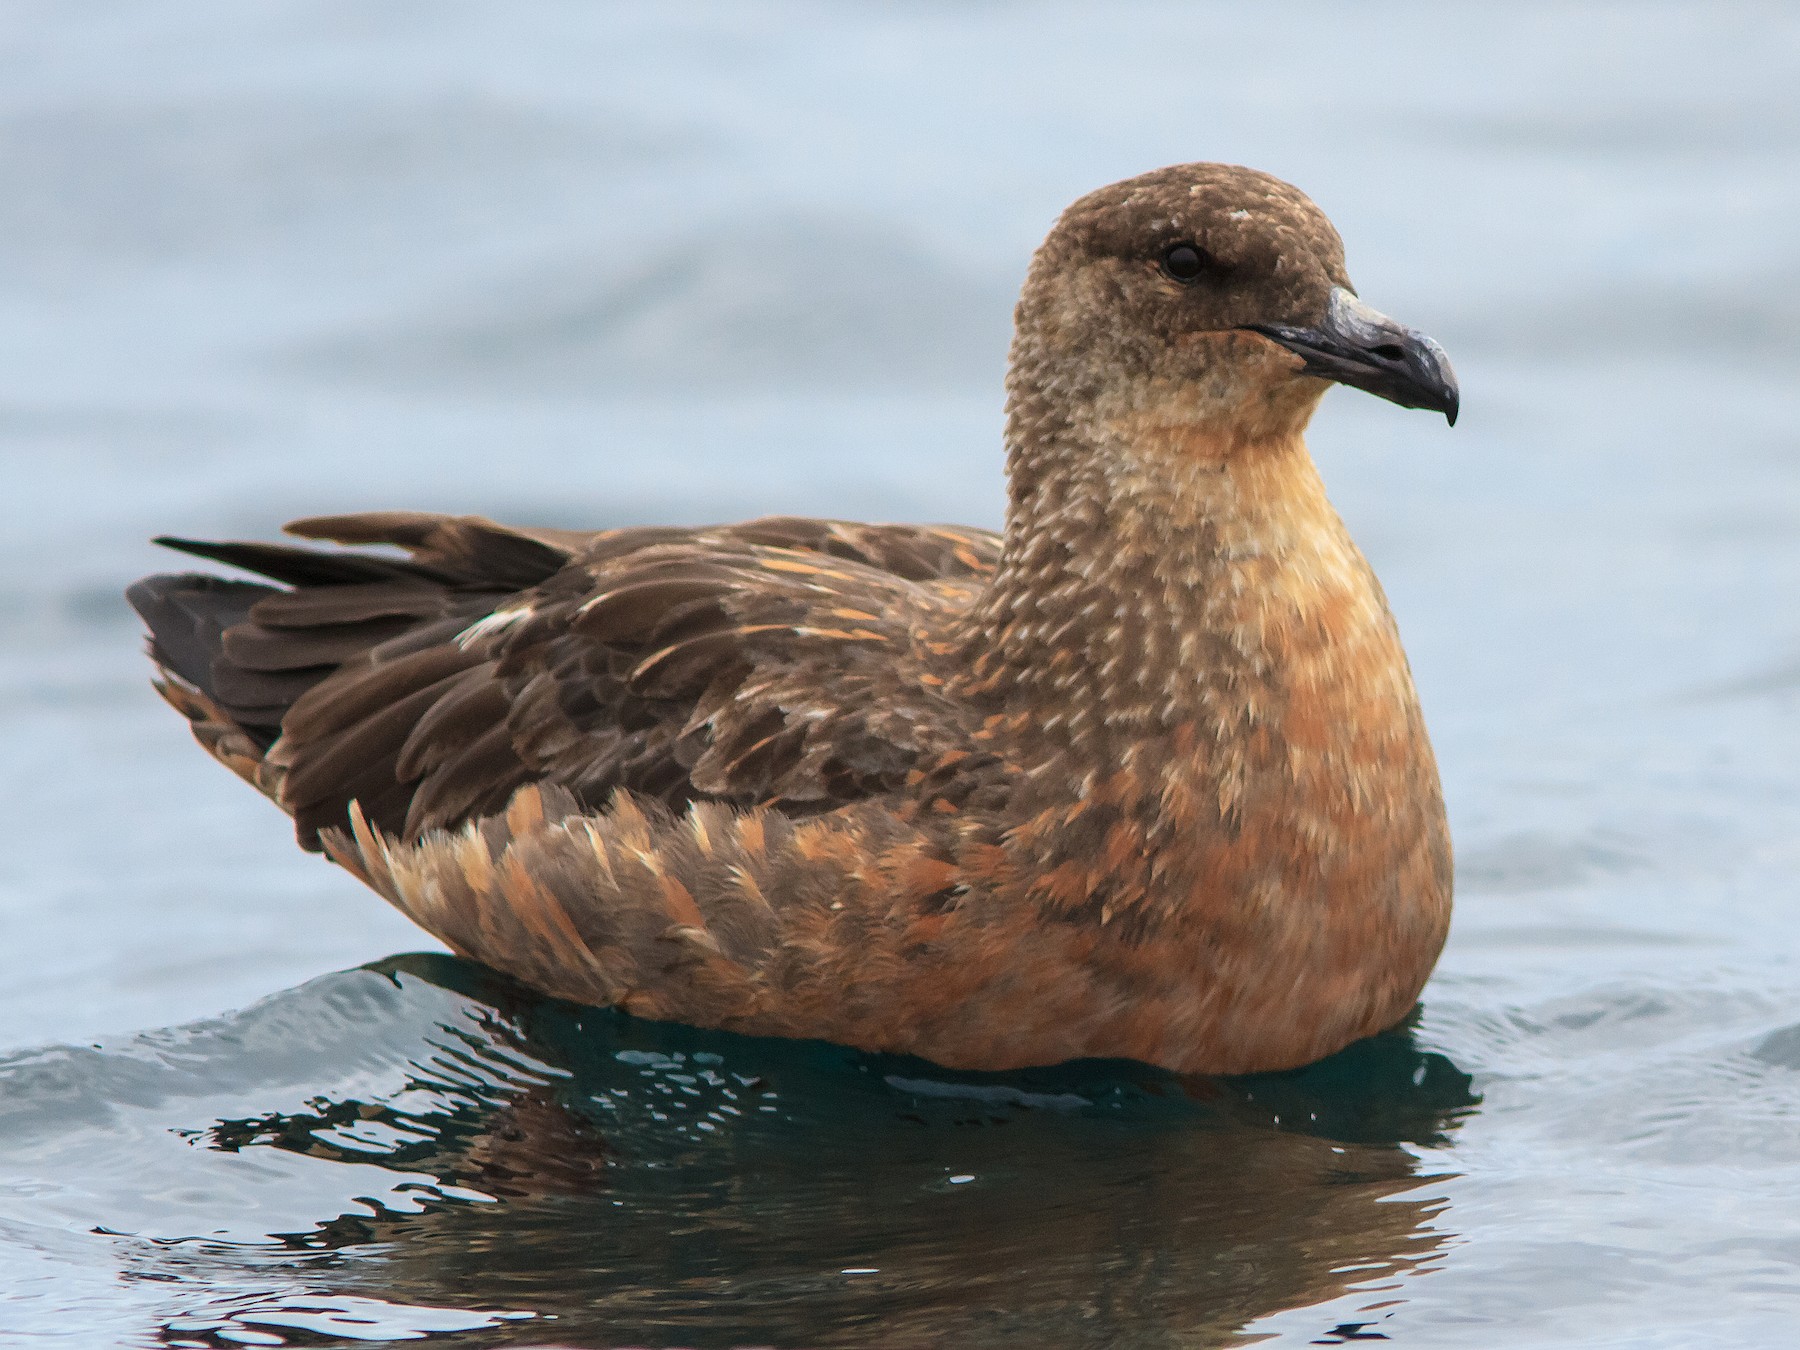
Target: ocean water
591, 264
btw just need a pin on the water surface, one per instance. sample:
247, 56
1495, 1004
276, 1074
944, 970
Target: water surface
521, 1171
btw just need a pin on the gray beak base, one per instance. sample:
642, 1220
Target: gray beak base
1363, 348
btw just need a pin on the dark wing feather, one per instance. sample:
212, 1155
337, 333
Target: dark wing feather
777, 661
771, 662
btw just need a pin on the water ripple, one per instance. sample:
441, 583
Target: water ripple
420, 1148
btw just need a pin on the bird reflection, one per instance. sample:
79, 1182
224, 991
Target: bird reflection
636, 1183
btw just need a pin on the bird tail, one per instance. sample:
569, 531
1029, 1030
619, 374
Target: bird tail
234, 657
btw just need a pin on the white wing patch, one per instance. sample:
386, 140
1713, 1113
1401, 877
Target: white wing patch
493, 625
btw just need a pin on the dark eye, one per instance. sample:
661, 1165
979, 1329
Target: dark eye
1185, 262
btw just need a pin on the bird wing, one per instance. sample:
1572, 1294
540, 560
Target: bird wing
783, 662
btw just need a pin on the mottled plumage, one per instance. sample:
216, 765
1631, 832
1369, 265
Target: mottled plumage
1144, 775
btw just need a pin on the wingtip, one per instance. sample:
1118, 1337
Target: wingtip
178, 544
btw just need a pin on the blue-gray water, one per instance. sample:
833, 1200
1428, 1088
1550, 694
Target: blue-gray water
591, 264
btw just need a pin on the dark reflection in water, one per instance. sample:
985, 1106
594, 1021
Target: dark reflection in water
604, 1181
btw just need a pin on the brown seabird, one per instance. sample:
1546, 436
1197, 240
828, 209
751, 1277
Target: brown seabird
1143, 775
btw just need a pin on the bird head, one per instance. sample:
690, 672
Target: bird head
1211, 294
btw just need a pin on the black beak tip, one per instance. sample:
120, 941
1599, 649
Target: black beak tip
1430, 383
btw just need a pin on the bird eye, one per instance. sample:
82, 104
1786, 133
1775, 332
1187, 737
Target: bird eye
1185, 262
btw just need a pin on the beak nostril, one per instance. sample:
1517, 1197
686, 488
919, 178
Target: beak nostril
1388, 351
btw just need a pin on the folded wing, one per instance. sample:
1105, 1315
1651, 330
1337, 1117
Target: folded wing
783, 662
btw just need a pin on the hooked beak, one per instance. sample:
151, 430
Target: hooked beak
1365, 349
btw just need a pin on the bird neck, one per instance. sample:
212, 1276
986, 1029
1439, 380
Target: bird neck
1163, 570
